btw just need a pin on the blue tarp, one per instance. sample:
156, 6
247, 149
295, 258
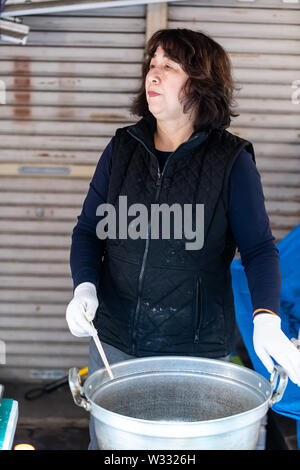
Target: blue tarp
289, 251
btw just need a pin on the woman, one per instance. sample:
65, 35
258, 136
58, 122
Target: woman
152, 296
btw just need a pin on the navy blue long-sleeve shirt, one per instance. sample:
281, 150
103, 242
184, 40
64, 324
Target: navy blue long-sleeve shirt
247, 216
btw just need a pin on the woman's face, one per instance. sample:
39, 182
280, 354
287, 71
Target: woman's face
164, 83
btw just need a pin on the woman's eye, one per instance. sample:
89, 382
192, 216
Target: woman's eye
167, 66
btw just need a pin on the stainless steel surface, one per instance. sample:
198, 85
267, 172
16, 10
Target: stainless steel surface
177, 402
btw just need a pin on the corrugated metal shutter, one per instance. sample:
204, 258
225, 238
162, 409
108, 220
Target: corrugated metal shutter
262, 38
68, 90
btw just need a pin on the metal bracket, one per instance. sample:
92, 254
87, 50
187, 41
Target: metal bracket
77, 389
278, 373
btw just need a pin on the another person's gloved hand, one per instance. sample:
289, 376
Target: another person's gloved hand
82, 309
269, 340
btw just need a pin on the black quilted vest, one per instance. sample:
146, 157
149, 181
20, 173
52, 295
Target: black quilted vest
155, 296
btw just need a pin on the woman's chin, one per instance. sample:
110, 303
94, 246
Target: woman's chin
157, 111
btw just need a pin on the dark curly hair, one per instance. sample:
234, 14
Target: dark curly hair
210, 86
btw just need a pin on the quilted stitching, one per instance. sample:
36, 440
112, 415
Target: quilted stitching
167, 299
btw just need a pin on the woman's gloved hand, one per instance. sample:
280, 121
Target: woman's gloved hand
82, 309
269, 340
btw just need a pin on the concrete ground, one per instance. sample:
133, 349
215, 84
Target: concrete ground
282, 432
50, 422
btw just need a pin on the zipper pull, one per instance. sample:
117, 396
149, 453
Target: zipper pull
158, 181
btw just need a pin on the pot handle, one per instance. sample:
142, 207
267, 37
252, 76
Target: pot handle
278, 372
77, 389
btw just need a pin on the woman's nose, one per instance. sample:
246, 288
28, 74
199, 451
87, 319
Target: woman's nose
154, 75
154, 79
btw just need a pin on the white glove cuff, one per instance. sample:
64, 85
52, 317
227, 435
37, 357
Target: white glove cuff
85, 286
267, 318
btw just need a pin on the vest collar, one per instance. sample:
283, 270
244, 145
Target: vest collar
144, 130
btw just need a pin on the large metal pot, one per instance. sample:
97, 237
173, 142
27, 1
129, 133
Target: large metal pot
177, 402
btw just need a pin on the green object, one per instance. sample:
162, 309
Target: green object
8, 422
236, 360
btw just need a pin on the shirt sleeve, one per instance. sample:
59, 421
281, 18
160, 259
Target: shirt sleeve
251, 229
86, 248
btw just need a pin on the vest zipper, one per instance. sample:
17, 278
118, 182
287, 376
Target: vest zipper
198, 309
141, 275
142, 271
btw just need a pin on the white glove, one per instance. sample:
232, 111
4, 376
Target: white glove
82, 309
269, 340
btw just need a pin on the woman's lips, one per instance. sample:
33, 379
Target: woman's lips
153, 93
